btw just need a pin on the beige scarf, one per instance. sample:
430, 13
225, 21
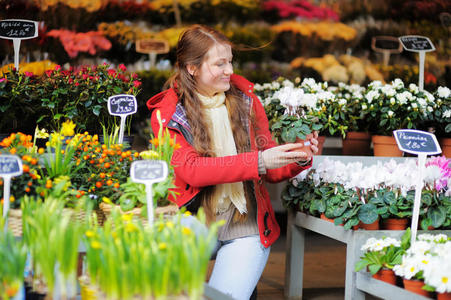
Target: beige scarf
223, 144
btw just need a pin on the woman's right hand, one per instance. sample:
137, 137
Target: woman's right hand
279, 156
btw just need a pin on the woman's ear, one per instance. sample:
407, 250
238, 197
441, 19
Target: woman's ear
191, 69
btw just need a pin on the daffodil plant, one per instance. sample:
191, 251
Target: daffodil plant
13, 256
125, 259
52, 239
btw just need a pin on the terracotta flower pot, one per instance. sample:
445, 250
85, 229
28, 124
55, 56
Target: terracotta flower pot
443, 296
386, 275
321, 140
372, 226
306, 148
385, 146
415, 286
395, 224
323, 217
357, 143
445, 144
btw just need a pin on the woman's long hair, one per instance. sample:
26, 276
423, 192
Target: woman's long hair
192, 48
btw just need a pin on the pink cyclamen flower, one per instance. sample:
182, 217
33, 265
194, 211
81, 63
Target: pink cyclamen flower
443, 163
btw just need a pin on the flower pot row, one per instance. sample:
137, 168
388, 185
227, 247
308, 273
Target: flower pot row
359, 143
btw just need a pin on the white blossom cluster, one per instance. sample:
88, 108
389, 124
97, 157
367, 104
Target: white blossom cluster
373, 244
402, 176
431, 255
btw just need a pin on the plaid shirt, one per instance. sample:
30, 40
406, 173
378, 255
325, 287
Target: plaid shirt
180, 118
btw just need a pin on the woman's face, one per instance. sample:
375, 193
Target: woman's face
213, 76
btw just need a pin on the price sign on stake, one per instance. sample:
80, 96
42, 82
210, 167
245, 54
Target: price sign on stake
148, 172
122, 105
420, 44
10, 166
421, 143
17, 30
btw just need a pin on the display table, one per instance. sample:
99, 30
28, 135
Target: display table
356, 284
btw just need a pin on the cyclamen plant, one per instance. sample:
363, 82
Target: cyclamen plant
393, 106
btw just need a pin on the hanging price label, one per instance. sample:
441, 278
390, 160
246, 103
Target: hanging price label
417, 141
10, 166
119, 105
122, 105
149, 172
18, 29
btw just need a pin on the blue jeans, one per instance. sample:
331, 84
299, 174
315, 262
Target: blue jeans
239, 262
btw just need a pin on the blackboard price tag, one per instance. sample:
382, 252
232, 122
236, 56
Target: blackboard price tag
416, 43
417, 142
18, 29
122, 105
10, 165
148, 171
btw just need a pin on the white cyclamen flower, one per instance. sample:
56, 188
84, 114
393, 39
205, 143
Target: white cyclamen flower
397, 84
443, 92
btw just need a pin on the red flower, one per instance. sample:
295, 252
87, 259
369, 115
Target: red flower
28, 74
122, 67
57, 68
111, 72
49, 73
135, 76
137, 83
77, 84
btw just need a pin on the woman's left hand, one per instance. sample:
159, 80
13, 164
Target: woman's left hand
314, 141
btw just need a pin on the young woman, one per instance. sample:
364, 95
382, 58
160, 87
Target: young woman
226, 153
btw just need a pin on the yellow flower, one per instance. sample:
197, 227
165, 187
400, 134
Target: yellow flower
65, 179
186, 231
41, 133
127, 217
169, 224
187, 213
162, 246
130, 227
96, 244
149, 154
107, 200
68, 128
90, 233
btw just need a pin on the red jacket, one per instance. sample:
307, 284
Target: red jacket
193, 172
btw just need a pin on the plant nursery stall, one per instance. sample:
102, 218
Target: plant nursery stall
85, 183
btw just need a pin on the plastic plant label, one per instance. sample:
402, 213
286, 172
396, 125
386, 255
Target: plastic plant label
417, 142
152, 46
18, 29
148, 171
10, 165
122, 105
416, 43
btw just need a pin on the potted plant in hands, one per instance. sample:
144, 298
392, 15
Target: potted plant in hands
297, 124
380, 256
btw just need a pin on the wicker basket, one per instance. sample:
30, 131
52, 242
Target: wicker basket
15, 221
168, 210
80, 215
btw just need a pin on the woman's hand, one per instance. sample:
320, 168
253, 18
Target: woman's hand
283, 155
314, 142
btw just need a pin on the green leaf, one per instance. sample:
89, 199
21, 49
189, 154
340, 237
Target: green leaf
368, 213
374, 268
437, 216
